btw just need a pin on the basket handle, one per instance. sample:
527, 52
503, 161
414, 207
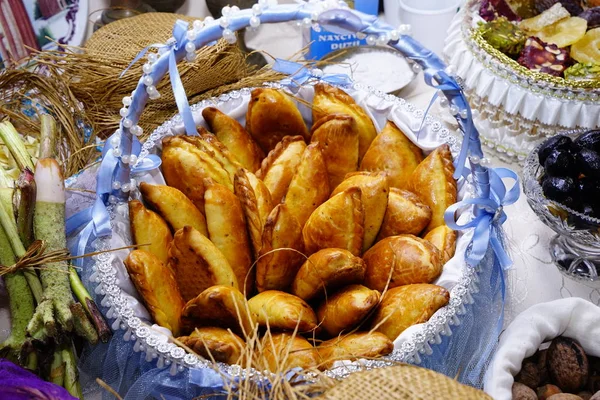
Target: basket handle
122, 149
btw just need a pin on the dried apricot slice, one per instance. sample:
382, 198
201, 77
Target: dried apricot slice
564, 32
587, 49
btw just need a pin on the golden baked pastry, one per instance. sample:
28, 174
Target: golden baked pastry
444, 239
198, 264
309, 187
227, 230
346, 309
337, 135
233, 135
147, 227
393, 153
278, 168
283, 351
282, 311
271, 115
434, 183
222, 306
402, 260
326, 271
374, 191
276, 269
215, 344
185, 165
337, 223
256, 202
209, 143
352, 347
404, 306
405, 214
331, 100
174, 206
156, 284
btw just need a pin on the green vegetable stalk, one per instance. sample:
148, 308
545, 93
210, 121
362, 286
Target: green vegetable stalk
53, 313
47, 136
12, 140
24, 206
90, 306
71, 381
17, 347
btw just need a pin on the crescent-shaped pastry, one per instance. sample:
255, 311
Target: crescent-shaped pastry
393, 153
277, 169
227, 230
271, 115
156, 284
346, 309
309, 187
337, 135
326, 271
222, 306
352, 347
147, 227
233, 135
256, 202
174, 206
407, 305
402, 260
281, 254
405, 214
331, 100
444, 239
374, 191
283, 351
209, 143
216, 344
182, 171
282, 311
198, 264
337, 223
194, 164
434, 183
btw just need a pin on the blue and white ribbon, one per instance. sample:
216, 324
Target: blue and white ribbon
489, 216
299, 74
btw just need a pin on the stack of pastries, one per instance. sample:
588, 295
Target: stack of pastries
327, 239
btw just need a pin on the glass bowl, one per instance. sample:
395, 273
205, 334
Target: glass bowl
576, 247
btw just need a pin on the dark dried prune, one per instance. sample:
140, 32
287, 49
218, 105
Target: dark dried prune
592, 16
487, 11
561, 162
559, 189
589, 140
503, 9
588, 162
557, 142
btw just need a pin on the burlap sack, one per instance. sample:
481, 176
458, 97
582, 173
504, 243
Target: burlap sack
405, 382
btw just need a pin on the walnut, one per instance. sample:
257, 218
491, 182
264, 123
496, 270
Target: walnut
530, 373
546, 391
522, 392
564, 396
568, 365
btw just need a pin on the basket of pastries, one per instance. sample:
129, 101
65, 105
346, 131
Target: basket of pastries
312, 224
529, 68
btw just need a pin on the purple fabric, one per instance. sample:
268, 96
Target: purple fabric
17, 383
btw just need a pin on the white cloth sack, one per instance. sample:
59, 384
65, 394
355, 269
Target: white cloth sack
575, 318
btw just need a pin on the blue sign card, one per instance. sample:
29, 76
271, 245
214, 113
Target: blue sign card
324, 42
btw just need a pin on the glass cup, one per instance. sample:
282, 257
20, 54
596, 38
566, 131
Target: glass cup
429, 20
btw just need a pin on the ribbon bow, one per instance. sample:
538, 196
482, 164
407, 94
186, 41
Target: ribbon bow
173, 45
300, 74
489, 215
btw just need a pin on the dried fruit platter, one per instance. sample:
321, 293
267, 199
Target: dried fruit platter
529, 87
311, 217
